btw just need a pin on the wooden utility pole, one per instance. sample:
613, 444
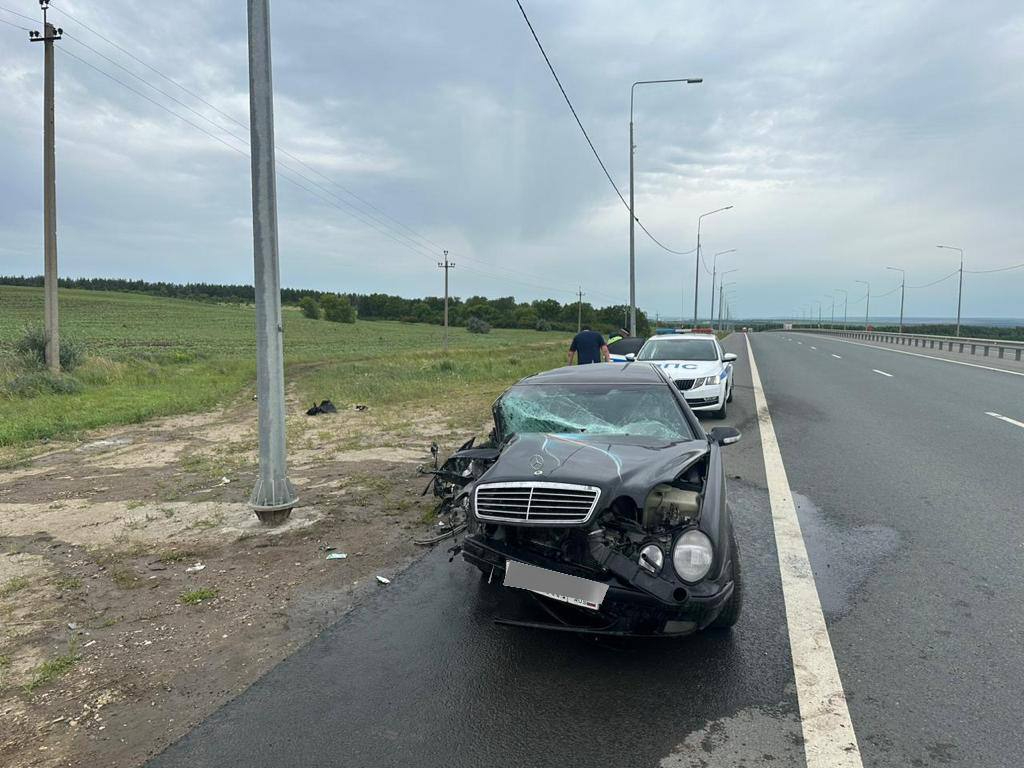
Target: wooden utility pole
446, 265
579, 309
51, 329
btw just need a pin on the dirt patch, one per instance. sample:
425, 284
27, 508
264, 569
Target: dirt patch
138, 592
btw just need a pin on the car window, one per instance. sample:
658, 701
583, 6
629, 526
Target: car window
603, 409
679, 349
626, 346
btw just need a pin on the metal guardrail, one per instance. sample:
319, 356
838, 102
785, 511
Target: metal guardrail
1002, 350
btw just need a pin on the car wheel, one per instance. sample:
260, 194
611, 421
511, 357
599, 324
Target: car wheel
730, 613
721, 412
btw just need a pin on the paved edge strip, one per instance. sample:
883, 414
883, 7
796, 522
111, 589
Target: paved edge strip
1007, 419
829, 738
928, 357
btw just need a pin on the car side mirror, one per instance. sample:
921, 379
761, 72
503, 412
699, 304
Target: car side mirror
728, 357
725, 435
631, 357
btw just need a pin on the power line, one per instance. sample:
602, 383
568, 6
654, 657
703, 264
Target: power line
989, 271
19, 15
935, 282
419, 246
12, 24
586, 135
406, 241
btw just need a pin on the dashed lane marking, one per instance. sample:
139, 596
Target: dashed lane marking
829, 739
883, 373
929, 357
1007, 419
813, 347
837, 357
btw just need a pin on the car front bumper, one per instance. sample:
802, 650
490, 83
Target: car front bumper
625, 611
707, 398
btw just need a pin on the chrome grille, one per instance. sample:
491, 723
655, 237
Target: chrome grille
536, 503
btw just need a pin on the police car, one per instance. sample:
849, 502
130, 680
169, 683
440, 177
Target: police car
698, 366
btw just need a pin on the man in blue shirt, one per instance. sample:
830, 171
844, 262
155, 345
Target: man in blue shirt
589, 346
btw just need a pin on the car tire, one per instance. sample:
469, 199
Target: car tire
729, 398
721, 412
731, 611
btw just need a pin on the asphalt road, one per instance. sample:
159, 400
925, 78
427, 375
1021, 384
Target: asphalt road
910, 501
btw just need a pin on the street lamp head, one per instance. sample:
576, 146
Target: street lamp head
694, 80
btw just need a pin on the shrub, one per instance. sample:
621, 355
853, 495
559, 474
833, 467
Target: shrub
476, 325
543, 325
43, 383
337, 309
32, 345
310, 307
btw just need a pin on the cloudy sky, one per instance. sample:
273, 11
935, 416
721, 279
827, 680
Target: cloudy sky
848, 136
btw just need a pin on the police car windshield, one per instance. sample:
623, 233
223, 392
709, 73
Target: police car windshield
679, 349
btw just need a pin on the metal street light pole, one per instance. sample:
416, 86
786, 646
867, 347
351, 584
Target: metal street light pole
273, 497
819, 313
867, 307
696, 277
727, 272
714, 270
960, 292
846, 301
832, 298
721, 298
632, 207
903, 291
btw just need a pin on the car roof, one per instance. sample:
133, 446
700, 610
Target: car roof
698, 336
599, 373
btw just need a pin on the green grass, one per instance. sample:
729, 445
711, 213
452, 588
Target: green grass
11, 586
196, 596
68, 584
51, 669
151, 357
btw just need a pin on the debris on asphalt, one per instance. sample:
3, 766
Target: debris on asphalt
361, 407
336, 556
195, 568
383, 580
326, 406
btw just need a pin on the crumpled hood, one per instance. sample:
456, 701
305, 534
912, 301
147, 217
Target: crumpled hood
618, 465
692, 369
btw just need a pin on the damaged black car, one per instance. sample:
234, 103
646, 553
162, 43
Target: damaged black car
601, 497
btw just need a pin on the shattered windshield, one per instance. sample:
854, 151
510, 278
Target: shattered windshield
593, 409
679, 349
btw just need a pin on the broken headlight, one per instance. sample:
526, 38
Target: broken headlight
692, 555
652, 558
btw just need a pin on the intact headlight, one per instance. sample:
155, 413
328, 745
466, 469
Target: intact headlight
692, 555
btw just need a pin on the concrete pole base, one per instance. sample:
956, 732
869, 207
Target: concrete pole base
273, 517
273, 500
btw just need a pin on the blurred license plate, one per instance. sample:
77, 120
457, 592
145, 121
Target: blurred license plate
558, 586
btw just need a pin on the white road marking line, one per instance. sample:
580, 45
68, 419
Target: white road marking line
1007, 419
799, 342
813, 347
837, 357
829, 739
882, 372
930, 357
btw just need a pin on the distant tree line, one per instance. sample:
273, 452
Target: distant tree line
505, 312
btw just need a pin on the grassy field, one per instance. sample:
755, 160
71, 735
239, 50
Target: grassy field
151, 357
